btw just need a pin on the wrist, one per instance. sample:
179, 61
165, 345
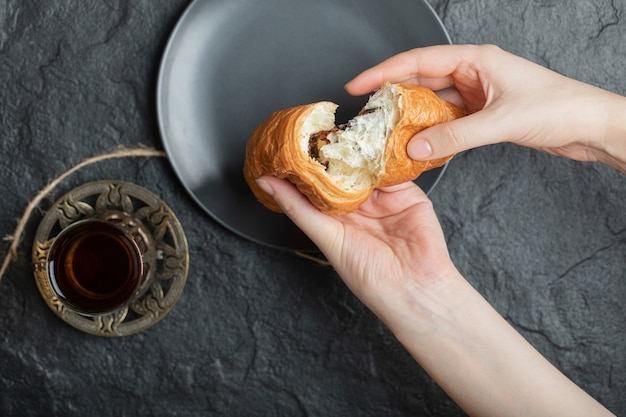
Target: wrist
613, 145
421, 305
600, 127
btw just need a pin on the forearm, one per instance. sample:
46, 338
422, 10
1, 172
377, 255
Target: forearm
478, 358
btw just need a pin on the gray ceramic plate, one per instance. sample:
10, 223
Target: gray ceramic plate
230, 63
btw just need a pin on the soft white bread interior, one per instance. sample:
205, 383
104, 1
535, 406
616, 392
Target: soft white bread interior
354, 153
337, 167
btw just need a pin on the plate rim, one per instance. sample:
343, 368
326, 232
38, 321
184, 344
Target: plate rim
172, 37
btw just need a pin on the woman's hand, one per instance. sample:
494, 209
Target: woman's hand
391, 244
508, 99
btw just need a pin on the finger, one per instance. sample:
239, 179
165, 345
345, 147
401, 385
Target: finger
482, 128
430, 66
388, 201
322, 229
404, 195
452, 95
397, 187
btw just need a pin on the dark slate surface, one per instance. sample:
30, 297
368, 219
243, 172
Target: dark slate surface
263, 332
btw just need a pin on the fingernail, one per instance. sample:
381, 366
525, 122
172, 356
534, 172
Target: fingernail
265, 186
419, 149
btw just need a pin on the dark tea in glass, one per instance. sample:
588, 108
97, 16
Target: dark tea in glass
94, 267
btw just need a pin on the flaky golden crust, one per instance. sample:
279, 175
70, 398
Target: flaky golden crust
275, 149
419, 108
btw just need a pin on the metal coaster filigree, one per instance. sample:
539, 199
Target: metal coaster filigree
161, 240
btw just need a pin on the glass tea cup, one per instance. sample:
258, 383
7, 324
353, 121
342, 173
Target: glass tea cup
94, 267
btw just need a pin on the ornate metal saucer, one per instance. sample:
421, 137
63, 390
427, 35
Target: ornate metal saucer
161, 240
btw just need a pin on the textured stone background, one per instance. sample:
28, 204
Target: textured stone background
263, 332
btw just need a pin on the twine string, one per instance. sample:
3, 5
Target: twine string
121, 152
16, 237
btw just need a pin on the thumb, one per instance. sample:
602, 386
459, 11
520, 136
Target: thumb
449, 138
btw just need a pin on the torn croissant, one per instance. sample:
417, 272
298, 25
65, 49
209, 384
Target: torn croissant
338, 167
